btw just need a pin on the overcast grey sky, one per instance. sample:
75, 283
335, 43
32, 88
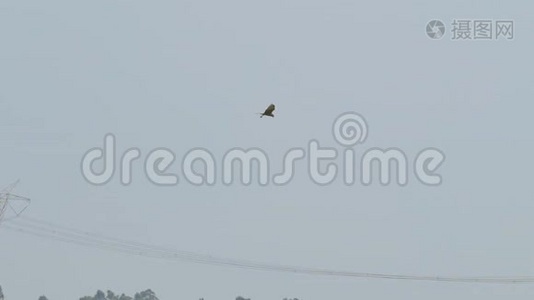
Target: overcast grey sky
186, 74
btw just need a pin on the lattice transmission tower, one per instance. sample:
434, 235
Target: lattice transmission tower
11, 204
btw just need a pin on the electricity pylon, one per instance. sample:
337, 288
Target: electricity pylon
14, 203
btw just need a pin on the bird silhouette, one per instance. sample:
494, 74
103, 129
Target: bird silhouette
268, 112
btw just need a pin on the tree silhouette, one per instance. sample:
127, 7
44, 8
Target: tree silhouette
109, 295
146, 295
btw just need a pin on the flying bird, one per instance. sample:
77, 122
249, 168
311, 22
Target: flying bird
268, 112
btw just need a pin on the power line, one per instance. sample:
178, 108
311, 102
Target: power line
47, 230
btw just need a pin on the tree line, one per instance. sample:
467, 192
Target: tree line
109, 295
